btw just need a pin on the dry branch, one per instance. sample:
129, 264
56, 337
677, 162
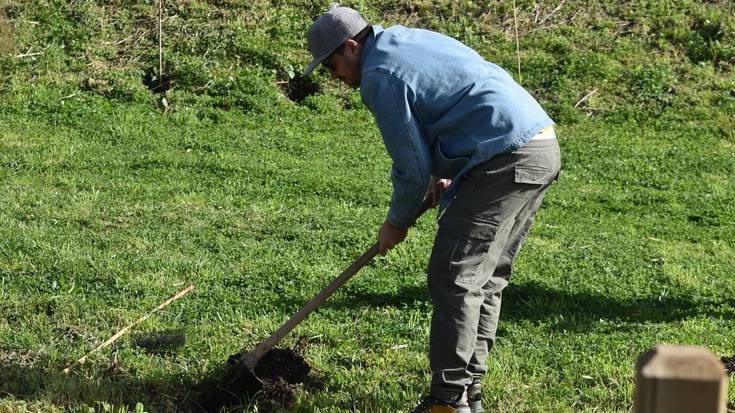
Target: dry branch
129, 326
72, 95
585, 97
552, 12
28, 54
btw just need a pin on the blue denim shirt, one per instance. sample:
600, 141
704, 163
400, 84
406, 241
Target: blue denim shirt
442, 109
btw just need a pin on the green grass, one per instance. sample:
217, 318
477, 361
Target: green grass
109, 205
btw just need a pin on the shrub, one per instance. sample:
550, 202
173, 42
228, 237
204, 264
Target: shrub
652, 89
707, 35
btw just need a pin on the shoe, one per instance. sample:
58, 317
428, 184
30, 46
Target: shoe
433, 405
474, 397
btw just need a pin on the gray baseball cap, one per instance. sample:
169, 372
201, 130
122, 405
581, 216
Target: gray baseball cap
330, 31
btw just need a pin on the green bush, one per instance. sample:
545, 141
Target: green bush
652, 89
70, 25
708, 34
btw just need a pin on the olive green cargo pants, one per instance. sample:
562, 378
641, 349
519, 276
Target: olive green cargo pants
478, 238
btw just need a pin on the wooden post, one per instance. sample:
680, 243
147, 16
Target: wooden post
680, 379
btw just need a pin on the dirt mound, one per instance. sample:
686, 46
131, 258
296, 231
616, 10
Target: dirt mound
280, 370
282, 363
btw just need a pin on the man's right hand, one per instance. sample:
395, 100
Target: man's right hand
389, 236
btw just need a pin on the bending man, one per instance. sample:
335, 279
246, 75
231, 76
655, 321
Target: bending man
460, 126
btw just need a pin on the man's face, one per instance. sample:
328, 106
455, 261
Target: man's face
345, 64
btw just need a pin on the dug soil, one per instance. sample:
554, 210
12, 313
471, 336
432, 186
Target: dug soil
729, 363
280, 371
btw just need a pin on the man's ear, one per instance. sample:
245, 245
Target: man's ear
352, 44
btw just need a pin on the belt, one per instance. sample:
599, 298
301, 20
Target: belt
546, 133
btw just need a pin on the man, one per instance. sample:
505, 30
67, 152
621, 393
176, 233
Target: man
458, 129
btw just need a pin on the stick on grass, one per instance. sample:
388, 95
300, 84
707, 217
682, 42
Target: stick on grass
129, 326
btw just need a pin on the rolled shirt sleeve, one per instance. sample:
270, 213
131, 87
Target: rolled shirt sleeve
392, 103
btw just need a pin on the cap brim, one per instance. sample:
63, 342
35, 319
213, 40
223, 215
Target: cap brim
316, 62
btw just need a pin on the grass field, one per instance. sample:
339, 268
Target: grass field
113, 200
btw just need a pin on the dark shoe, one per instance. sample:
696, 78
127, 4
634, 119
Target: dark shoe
474, 397
433, 405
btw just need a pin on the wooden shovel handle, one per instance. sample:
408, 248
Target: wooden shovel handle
252, 358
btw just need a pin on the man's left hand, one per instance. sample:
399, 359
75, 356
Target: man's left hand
438, 189
389, 236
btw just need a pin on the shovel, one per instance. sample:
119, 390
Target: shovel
246, 374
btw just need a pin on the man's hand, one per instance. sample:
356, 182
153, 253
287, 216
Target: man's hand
389, 236
437, 190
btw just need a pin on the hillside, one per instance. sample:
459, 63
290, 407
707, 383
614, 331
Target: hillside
143, 149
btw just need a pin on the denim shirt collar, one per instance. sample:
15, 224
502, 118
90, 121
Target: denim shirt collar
370, 43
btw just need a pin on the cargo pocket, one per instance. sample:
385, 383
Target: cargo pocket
460, 247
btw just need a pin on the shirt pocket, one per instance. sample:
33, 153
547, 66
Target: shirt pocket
445, 167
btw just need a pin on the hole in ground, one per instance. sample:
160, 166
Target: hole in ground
299, 88
156, 84
280, 370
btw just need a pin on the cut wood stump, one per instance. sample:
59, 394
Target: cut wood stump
680, 379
